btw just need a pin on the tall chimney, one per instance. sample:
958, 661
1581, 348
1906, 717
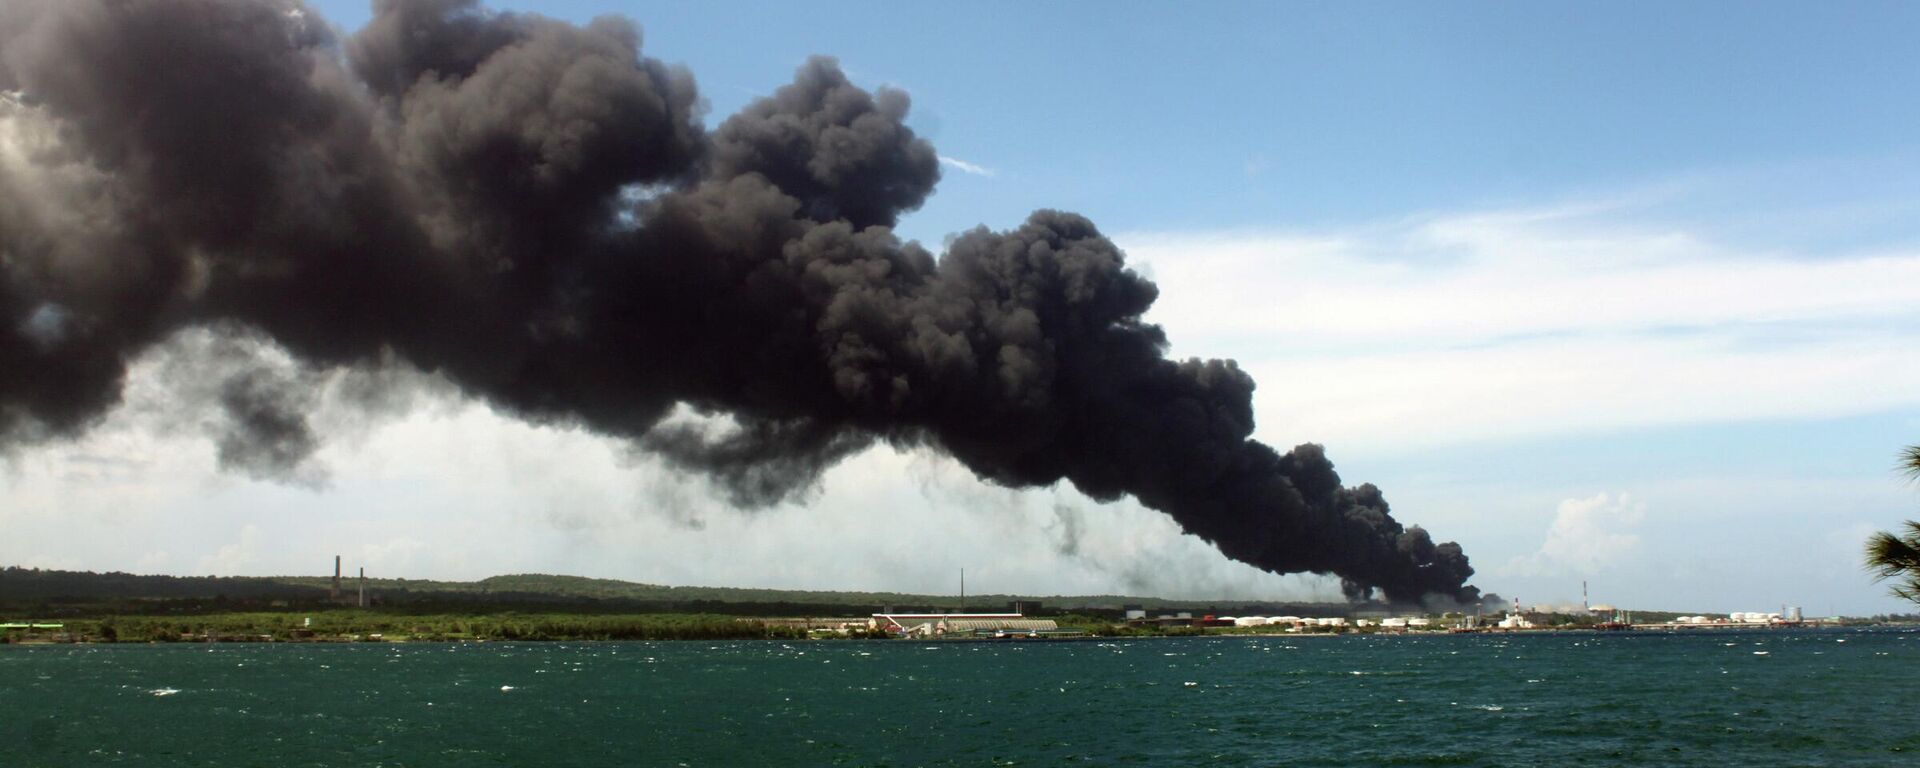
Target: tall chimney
363, 586
335, 594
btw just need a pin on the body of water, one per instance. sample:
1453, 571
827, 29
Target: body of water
1771, 698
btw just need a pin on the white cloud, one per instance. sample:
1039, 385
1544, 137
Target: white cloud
1587, 536
398, 556
455, 490
1418, 400
241, 558
1448, 329
156, 561
966, 167
1473, 278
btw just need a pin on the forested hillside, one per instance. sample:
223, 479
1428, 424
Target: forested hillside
52, 592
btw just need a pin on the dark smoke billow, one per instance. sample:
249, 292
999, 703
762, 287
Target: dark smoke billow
534, 212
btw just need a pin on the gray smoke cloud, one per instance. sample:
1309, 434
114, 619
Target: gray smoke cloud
535, 213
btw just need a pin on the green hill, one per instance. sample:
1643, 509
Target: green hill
48, 591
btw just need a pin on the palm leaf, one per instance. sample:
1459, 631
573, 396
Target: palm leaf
1889, 555
1898, 557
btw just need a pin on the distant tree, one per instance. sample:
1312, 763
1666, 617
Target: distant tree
1898, 557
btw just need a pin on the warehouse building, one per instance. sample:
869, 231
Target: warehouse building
934, 624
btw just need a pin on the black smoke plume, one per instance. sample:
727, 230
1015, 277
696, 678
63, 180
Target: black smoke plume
534, 211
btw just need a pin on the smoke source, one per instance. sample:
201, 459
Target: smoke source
535, 212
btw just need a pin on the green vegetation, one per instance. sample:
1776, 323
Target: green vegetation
120, 607
365, 625
1897, 558
76, 593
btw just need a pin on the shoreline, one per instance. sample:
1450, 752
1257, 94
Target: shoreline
382, 639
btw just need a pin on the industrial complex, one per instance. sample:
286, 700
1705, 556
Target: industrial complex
49, 606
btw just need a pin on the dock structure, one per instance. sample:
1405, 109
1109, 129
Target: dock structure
1778, 624
813, 622
937, 624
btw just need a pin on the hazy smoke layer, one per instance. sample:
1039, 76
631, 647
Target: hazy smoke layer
535, 212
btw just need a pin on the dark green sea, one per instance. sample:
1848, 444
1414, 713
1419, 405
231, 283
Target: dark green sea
1701, 698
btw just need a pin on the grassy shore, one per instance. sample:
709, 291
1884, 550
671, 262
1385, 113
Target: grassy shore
381, 625
386, 625
341, 625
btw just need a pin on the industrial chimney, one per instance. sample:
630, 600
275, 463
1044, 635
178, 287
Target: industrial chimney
335, 594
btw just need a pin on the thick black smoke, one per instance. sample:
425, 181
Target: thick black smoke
534, 211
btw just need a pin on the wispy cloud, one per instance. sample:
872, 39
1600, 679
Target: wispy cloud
1256, 165
966, 167
1441, 329
241, 558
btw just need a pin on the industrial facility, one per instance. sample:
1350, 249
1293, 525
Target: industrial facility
996, 625
334, 594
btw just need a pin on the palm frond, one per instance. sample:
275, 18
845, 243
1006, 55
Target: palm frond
1898, 557
1908, 589
1888, 555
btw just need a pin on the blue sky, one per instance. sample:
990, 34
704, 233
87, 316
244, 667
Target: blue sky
1155, 116
1623, 293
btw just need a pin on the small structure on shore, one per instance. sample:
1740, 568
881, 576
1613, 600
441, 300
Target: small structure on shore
937, 624
33, 632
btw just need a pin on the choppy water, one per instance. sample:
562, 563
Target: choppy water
1705, 698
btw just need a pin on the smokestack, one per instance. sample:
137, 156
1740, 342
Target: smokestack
335, 593
363, 587
460, 191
